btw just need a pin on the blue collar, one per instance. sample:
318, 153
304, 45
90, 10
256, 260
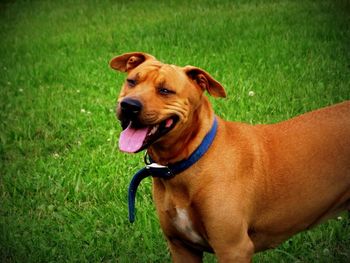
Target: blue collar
166, 172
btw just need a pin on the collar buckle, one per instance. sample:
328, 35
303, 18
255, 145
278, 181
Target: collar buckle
160, 171
157, 170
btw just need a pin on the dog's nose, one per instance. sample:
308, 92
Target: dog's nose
131, 107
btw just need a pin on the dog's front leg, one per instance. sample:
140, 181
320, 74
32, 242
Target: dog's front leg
231, 242
183, 254
235, 253
241, 252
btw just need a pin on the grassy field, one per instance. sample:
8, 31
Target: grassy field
63, 182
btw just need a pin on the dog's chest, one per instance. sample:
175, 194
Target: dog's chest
184, 225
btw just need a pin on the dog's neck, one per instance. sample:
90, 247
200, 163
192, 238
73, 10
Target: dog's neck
170, 151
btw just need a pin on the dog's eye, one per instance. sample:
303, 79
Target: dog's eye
131, 82
164, 91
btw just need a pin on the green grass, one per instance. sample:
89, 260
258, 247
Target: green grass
63, 182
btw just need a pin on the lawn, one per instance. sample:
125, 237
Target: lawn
63, 181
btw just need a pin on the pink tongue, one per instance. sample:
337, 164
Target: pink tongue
131, 140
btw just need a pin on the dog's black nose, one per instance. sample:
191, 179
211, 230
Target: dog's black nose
130, 107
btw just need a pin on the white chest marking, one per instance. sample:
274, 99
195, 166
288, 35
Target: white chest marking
184, 225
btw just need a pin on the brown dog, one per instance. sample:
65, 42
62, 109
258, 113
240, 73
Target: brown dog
254, 187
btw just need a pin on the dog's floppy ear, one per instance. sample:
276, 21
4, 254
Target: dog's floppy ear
205, 81
129, 61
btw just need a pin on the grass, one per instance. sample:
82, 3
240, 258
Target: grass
63, 181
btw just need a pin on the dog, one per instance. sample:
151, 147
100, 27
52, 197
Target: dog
253, 187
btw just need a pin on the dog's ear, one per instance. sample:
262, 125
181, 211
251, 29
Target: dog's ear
205, 81
129, 61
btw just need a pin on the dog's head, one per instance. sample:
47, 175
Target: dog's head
157, 100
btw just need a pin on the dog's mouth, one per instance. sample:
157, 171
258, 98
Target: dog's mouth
135, 137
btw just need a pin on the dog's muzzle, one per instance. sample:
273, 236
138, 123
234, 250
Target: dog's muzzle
138, 135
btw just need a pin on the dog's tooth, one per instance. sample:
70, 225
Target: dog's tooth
154, 129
